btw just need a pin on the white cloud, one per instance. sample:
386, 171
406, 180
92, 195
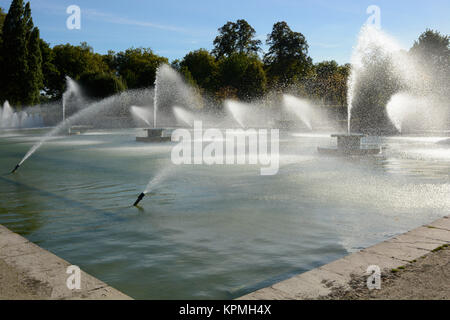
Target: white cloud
112, 18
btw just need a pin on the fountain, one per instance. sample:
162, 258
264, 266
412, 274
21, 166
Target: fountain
161, 176
184, 116
18, 120
248, 115
141, 113
403, 106
73, 92
236, 110
86, 114
301, 108
389, 91
155, 134
373, 52
170, 90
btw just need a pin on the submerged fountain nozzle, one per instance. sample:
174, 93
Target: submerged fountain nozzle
16, 168
139, 199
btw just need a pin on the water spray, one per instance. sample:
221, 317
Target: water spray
139, 199
156, 180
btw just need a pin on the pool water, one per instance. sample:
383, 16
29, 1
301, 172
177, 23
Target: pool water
213, 232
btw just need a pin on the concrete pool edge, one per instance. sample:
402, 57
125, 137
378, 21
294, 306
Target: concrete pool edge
337, 275
45, 274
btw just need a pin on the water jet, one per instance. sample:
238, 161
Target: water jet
170, 89
301, 108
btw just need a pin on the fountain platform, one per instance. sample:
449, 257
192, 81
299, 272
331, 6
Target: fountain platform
154, 135
349, 145
77, 130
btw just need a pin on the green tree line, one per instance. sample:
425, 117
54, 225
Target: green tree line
236, 67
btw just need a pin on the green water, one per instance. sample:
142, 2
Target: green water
212, 232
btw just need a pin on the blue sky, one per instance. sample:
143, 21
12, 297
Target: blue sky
172, 28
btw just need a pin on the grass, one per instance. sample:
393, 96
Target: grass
440, 248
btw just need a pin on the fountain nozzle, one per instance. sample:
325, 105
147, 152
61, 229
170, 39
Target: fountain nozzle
16, 168
139, 199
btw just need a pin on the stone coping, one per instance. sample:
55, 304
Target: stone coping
388, 255
45, 273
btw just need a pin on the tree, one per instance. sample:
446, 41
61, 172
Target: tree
110, 60
21, 77
330, 83
244, 73
287, 60
326, 69
377, 82
434, 46
2, 20
72, 61
50, 72
35, 80
202, 67
432, 51
137, 67
235, 37
101, 85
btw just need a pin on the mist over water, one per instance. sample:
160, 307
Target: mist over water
184, 117
95, 114
302, 109
142, 114
389, 84
171, 90
10, 119
73, 95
